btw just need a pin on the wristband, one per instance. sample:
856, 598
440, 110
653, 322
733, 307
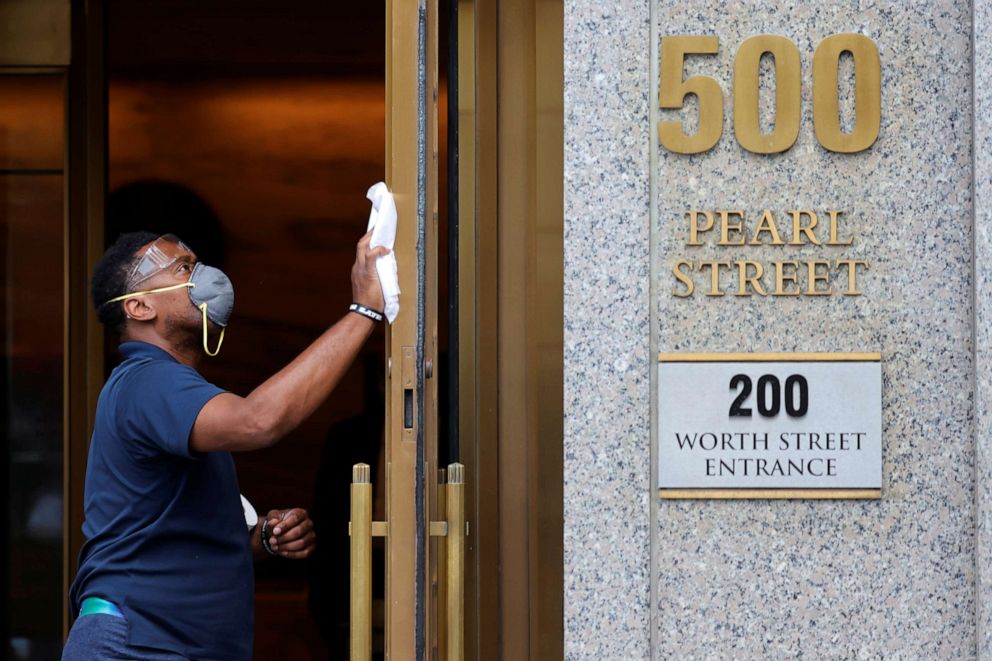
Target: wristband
358, 308
265, 538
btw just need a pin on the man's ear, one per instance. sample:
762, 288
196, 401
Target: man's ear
137, 308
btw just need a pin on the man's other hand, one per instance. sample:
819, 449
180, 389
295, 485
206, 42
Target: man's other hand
365, 287
291, 533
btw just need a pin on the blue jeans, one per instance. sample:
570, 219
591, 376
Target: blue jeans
104, 637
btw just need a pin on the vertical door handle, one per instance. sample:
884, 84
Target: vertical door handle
360, 619
455, 555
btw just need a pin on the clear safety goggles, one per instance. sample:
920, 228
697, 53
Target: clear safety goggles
165, 251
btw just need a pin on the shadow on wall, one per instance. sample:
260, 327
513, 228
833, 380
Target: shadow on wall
163, 207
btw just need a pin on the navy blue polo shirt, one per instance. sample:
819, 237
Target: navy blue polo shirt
165, 531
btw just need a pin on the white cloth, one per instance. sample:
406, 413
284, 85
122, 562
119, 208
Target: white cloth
382, 223
251, 516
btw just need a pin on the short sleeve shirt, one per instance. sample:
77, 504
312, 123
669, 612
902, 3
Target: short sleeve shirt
165, 530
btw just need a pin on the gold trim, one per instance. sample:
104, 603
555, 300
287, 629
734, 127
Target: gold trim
483, 579
36, 33
529, 301
404, 567
443, 580
471, 404
22, 70
770, 494
86, 168
770, 357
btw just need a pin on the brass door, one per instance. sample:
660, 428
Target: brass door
507, 98
411, 393
411, 409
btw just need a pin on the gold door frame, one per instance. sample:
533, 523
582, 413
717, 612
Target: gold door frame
56, 36
510, 265
87, 158
411, 341
509, 361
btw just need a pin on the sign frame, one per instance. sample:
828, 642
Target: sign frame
765, 493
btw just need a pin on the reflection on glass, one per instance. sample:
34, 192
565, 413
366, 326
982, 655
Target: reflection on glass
32, 115
31, 347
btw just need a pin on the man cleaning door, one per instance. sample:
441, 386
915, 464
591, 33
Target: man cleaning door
166, 572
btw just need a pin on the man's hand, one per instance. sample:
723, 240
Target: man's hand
291, 534
365, 287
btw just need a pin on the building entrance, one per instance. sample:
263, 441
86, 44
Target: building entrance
253, 132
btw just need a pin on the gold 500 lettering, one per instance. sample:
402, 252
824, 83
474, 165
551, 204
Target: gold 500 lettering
673, 90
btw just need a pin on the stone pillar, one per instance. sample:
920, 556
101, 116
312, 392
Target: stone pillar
607, 472
983, 321
889, 578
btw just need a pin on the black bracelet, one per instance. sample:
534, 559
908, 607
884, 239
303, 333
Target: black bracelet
358, 308
265, 538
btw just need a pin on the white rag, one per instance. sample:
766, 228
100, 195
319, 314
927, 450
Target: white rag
382, 223
251, 516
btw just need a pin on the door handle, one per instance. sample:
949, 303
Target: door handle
362, 529
455, 556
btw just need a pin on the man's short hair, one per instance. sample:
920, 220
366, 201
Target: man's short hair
110, 277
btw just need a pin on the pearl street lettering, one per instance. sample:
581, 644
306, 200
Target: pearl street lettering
795, 229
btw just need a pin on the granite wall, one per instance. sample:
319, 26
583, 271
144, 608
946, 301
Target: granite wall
607, 338
900, 577
982, 148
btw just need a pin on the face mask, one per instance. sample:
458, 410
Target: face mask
211, 291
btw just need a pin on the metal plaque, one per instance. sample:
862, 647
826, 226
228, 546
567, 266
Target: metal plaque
770, 425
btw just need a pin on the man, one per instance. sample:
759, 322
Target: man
166, 571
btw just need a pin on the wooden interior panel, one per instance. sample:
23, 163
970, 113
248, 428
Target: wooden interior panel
32, 122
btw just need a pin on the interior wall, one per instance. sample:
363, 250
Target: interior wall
266, 125
284, 165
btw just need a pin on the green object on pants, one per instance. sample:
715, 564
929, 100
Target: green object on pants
96, 605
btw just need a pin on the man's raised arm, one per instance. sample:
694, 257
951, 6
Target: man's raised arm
232, 423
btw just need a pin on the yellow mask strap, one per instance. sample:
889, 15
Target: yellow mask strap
150, 291
220, 340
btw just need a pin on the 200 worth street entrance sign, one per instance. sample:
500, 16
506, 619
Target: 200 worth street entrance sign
767, 425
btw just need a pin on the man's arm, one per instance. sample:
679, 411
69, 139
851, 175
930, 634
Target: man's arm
231, 423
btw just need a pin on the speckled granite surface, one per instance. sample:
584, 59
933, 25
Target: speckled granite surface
983, 318
606, 499
784, 579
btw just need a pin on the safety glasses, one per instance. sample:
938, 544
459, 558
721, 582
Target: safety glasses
165, 251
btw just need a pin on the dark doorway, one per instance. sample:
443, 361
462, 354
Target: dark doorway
253, 129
